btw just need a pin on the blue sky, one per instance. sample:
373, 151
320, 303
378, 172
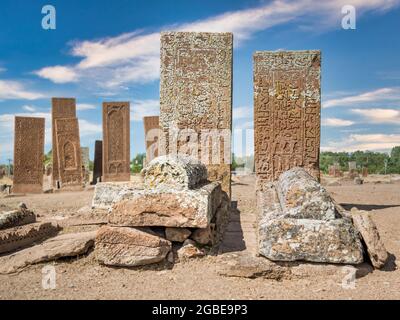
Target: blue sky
109, 50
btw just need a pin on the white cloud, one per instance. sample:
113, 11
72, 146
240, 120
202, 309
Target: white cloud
58, 74
242, 112
379, 95
15, 90
85, 106
134, 57
379, 115
244, 125
87, 128
143, 108
363, 142
335, 122
29, 108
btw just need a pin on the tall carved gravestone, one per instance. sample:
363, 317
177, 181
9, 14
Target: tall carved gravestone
287, 108
60, 108
196, 99
98, 161
116, 141
28, 155
69, 153
85, 163
151, 135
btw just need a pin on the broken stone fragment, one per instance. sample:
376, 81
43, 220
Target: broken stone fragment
303, 197
129, 247
177, 234
190, 250
16, 218
22, 236
174, 208
174, 171
65, 245
332, 241
365, 225
204, 235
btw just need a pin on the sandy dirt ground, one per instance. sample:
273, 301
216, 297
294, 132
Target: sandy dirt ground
83, 278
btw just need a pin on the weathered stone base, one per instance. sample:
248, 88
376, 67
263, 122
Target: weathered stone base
176, 208
129, 247
333, 241
27, 188
18, 237
298, 220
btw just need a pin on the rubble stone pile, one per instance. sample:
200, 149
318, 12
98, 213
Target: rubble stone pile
175, 210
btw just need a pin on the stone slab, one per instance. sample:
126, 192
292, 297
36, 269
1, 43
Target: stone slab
69, 153
129, 247
16, 218
28, 155
366, 226
60, 108
22, 236
116, 141
98, 161
180, 208
152, 135
332, 241
105, 193
287, 106
65, 245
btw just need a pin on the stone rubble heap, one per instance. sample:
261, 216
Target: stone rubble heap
298, 220
175, 212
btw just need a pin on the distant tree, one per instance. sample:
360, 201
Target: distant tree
137, 163
48, 158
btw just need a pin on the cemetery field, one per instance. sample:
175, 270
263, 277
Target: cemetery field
208, 277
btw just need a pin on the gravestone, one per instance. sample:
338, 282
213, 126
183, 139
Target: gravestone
85, 163
28, 155
287, 109
116, 141
151, 135
98, 161
60, 108
69, 153
196, 99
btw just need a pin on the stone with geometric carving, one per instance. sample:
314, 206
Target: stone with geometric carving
196, 99
116, 141
28, 155
287, 107
60, 108
69, 153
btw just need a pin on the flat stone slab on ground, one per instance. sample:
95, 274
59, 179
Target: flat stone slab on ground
16, 218
22, 236
65, 245
332, 241
365, 225
175, 208
129, 247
